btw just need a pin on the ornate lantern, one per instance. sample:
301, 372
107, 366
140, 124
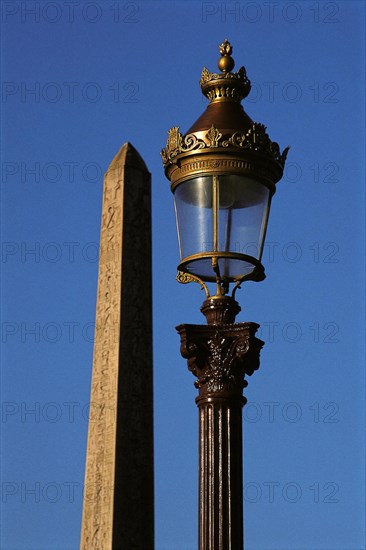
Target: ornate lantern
223, 173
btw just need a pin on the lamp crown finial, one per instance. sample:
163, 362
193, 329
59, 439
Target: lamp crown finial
226, 63
226, 85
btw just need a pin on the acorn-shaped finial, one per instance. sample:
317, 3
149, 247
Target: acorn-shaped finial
226, 63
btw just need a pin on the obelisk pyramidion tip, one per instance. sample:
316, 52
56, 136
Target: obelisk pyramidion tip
128, 155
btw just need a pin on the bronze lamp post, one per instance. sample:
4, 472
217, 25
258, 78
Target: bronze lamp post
223, 173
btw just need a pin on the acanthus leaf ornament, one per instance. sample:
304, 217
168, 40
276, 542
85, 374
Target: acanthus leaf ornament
213, 135
206, 76
240, 76
174, 138
220, 356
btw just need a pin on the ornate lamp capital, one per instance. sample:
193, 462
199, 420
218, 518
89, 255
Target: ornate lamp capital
220, 356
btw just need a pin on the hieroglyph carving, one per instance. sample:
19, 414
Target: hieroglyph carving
99, 475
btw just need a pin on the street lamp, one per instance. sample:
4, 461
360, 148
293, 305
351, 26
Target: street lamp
223, 173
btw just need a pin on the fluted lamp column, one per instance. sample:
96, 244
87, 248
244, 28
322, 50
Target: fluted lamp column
223, 173
220, 354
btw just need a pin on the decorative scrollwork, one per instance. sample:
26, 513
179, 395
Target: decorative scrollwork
177, 144
237, 139
255, 139
185, 278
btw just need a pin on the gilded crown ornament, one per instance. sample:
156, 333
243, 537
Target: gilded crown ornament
223, 128
226, 86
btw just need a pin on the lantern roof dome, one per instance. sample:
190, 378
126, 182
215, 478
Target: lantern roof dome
224, 131
225, 92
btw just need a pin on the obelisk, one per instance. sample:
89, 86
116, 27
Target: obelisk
118, 511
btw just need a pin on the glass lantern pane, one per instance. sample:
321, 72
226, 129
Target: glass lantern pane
239, 227
193, 208
243, 205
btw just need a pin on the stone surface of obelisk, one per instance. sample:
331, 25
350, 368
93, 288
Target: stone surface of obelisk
118, 511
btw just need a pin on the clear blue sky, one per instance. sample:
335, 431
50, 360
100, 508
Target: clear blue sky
105, 72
